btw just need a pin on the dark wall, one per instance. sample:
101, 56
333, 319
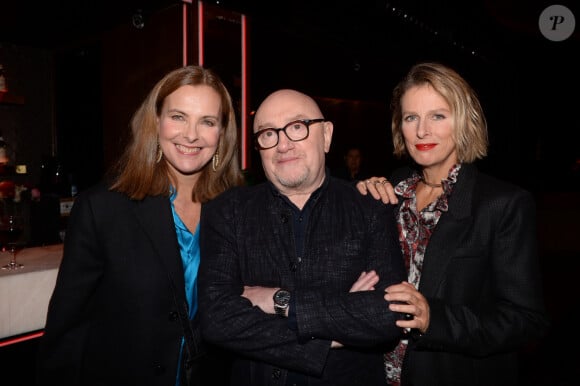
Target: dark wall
27, 126
79, 134
133, 60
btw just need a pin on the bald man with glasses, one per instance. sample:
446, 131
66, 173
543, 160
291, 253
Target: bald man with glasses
294, 269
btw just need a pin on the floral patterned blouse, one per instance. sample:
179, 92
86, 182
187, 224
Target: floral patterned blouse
415, 229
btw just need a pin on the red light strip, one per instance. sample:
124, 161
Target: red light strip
21, 338
184, 31
244, 117
200, 50
200, 36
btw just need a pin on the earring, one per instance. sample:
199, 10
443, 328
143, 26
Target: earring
215, 161
159, 154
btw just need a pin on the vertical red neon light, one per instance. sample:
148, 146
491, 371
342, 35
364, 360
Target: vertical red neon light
184, 31
244, 113
200, 36
244, 68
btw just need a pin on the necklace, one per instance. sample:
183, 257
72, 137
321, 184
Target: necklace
429, 183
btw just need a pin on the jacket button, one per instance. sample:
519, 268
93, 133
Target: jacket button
276, 373
293, 267
173, 316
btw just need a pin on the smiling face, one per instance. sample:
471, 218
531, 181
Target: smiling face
189, 128
427, 126
294, 167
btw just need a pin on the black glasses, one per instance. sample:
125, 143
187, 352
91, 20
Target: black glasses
295, 131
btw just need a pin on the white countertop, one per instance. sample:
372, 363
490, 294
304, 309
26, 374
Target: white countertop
25, 292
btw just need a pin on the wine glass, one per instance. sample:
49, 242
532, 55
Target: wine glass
11, 227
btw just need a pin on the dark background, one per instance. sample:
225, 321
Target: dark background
349, 55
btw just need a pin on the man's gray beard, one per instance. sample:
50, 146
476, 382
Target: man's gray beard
293, 183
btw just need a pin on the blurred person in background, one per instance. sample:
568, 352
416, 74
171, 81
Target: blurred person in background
353, 168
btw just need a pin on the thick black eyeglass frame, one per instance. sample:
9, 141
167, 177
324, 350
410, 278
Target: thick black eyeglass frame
306, 122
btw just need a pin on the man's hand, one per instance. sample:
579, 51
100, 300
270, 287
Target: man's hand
261, 297
365, 282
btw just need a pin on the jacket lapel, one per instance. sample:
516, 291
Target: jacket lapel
449, 231
155, 216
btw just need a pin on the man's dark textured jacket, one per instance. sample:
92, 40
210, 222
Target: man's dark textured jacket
247, 239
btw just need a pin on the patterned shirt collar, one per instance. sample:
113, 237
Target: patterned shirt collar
407, 187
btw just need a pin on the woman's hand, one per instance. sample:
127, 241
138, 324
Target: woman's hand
379, 188
406, 299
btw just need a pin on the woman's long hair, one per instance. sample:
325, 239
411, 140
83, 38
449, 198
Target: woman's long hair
140, 173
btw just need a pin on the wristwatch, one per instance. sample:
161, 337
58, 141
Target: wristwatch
281, 302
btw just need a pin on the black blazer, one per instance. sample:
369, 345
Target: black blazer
481, 276
113, 317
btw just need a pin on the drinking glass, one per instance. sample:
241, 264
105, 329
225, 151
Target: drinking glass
11, 227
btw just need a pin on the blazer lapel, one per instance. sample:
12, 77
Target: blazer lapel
449, 230
155, 216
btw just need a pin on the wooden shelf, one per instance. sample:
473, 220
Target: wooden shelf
8, 98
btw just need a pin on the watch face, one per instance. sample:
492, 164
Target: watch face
282, 298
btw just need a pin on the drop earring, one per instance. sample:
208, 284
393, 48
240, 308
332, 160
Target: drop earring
215, 161
159, 154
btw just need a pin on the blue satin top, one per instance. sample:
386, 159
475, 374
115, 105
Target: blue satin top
190, 257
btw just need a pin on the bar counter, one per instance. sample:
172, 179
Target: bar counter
25, 292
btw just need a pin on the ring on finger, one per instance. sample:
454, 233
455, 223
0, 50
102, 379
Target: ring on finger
384, 182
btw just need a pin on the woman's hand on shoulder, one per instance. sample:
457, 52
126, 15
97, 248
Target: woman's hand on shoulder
380, 188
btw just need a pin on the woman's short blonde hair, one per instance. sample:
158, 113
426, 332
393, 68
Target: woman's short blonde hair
470, 126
